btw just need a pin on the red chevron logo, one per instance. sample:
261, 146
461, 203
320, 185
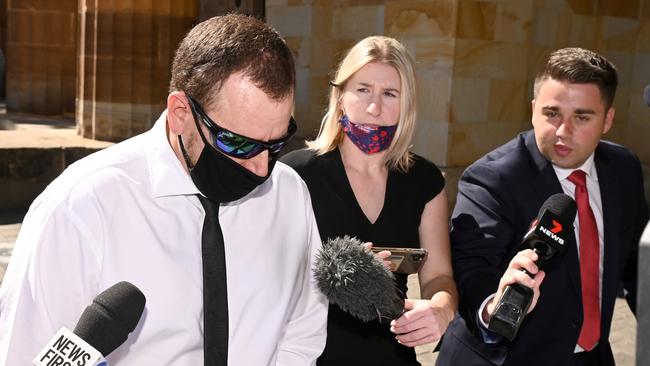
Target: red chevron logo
557, 227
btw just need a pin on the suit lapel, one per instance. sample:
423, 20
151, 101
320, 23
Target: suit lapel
546, 184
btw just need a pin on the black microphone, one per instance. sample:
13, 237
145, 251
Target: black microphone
356, 281
103, 326
548, 237
646, 95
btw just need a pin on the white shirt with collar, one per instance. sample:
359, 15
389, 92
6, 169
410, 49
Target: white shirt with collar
130, 213
595, 201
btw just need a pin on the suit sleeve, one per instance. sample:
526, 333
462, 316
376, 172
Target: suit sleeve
482, 236
634, 230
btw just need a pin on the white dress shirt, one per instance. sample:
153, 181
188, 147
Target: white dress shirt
595, 201
130, 213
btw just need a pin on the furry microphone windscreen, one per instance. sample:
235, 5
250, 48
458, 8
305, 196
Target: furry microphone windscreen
356, 281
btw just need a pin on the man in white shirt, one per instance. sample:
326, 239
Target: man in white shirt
500, 194
135, 212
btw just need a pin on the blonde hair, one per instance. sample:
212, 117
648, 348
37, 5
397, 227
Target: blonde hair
387, 51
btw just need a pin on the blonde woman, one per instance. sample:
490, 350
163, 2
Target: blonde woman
365, 182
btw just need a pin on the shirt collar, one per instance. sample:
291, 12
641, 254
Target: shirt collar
168, 177
588, 167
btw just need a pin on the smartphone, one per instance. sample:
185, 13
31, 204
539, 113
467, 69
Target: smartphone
404, 260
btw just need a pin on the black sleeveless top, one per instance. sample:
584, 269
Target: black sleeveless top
349, 340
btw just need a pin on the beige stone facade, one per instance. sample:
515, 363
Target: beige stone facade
475, 60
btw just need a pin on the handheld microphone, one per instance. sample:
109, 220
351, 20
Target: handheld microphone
103, 326
356, 281
646, 95
548, 237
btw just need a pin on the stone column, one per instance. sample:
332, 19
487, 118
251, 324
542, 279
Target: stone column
125, 54
40, 57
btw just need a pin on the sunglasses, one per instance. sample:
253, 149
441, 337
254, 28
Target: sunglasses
236, 145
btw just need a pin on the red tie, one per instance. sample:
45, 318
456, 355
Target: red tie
589, 264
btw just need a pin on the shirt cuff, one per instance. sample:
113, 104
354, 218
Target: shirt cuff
487, 335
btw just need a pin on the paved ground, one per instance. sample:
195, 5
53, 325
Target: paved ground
27, 131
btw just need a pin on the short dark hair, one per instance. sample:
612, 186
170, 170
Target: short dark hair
223, 45
580, 66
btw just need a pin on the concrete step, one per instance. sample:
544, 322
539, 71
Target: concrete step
33, 151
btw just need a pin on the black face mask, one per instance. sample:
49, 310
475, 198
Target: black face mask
220, 178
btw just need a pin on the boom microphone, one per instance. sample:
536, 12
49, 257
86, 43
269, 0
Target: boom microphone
548, 236
356, 281
103, 326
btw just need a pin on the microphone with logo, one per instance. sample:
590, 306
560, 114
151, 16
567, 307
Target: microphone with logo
103, 326
548, 236
356, 281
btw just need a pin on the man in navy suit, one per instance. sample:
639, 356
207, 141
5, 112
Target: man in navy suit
500, 194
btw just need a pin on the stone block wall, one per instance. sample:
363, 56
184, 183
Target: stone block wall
125, 52
491, 67
476, 60
40, 56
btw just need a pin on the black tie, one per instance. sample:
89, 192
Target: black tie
215, 294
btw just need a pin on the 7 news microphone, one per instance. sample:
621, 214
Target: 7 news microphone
548, 237
355, 280
103, 326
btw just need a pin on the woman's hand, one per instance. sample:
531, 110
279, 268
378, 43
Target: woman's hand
425, 321
422, 323
384, 255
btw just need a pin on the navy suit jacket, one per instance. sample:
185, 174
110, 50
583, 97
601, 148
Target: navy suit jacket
499, 195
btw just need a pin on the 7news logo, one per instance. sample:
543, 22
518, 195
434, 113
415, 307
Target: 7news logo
552, 232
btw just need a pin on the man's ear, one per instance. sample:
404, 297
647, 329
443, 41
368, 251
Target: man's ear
609, 119
532, 109
179, 114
